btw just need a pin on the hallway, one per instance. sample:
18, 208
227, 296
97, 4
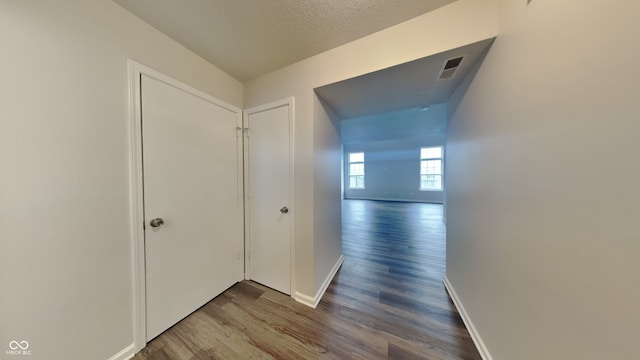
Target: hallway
395, 262
386, 302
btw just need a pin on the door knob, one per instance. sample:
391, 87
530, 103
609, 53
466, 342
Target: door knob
157, 222
284, 210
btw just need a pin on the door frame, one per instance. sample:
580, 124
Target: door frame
247, 202
136, 184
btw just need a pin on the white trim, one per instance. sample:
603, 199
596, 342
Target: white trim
124, 354
136, 201
348, 166
305, 299
292, 187
290, 102
421, 159
247, 209
395, 199
315, 300
475, 335
137, 207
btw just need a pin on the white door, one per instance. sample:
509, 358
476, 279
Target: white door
194, 247
269, 207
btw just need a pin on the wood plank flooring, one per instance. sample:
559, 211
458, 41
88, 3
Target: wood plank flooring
386, 302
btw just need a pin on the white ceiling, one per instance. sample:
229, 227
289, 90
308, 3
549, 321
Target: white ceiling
249, 38
410, 85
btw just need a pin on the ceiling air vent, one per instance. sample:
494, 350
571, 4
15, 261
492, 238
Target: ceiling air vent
450, 68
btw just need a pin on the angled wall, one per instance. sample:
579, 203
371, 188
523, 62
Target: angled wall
543, 177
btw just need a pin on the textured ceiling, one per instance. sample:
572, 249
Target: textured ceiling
411, 85
249, 38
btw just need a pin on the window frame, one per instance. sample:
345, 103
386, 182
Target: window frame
356, 176
431, 158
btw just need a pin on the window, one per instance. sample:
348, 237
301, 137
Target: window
356, 170
431, 168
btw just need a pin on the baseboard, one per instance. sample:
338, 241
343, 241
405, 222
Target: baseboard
313, 301
124, 354
304, 299
475, 336
395, 200
327, 280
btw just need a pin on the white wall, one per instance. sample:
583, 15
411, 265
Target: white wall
392, 171
391, 142
543, 178
65, 273
464, 22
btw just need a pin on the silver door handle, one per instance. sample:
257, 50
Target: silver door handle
284, 210
157, 222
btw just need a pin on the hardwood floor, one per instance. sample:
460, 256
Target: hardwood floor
386, 302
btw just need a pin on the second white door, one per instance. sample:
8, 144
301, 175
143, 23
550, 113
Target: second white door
269, 209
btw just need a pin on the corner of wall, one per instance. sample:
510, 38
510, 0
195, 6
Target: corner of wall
313, 301
475, 335
124, 354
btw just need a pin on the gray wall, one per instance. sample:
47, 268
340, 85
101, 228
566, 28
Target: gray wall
543, 184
